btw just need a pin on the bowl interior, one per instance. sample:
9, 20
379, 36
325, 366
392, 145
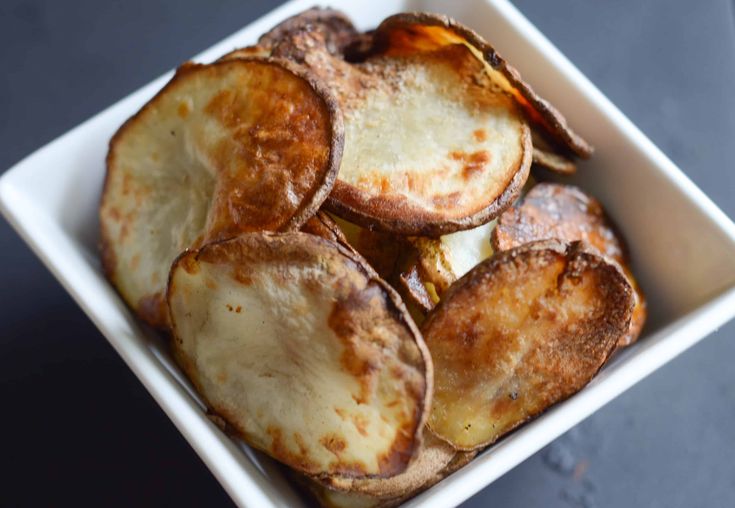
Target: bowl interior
682, 247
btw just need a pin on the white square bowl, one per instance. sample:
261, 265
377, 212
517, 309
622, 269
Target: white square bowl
682, 245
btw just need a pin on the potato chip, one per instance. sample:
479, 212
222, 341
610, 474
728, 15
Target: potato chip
568, 214
335, 27
406, 33
304, 352
240, 145
432, 145
436, 459
520, 332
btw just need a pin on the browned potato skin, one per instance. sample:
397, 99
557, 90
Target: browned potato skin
323, 225
553, 162
408, 31
568, 214
435, 461
336, 28
571, 303
247, 204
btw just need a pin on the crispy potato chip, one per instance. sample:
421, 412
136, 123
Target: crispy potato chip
416, 290
568, 214
520, 332
335, 27
337, 33
240, 145
436, 460
553, 162
546, 156
404, 34
304, 352
432, 146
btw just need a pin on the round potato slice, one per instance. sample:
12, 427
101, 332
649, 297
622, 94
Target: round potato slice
303, 351
407, 33
568, 214
241, 145
520, 332
432, 145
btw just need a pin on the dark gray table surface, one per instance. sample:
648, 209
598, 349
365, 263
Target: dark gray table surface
78, 429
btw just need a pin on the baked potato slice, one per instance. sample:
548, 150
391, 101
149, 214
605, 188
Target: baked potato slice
406, 33
436, 459
432, 145
303, 351
239, 145
335, 28
568, 214
520, 332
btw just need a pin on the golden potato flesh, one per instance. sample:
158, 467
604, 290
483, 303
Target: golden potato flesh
303, 351
523, 330
241, 145
568, 214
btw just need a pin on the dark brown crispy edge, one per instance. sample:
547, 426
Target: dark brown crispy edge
539, 110
338, 30
358, 207
316, 490
578, 257
553, 162
395, 307
152, 309
246, 52
410, 281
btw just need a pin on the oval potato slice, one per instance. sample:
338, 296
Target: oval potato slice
241, 145
566, 213
303, 351
520, 332
408, 32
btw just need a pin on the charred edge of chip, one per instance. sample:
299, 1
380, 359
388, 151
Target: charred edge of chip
538, 109
394, 305
246, 52
358, 207
415, 289
394, 495
553, 162
338, 29
323, 226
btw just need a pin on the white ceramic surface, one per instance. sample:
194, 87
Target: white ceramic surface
682, 245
